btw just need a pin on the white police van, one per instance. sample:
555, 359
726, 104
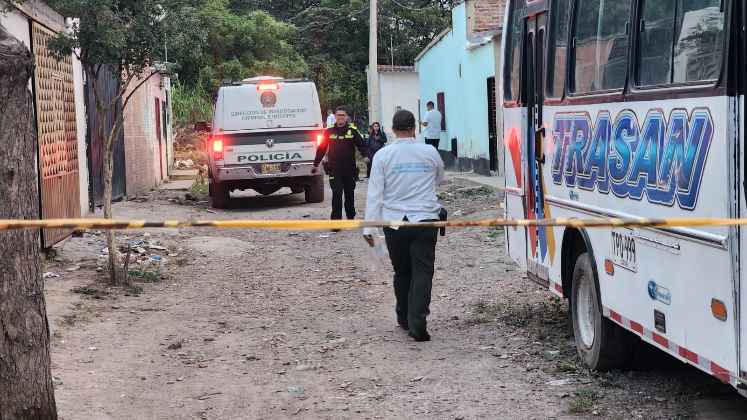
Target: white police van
264, 137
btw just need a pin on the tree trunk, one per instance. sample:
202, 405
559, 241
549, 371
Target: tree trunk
116, 276
26, 390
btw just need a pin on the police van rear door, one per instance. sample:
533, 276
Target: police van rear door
271, 123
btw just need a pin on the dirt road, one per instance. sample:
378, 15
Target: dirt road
253, 324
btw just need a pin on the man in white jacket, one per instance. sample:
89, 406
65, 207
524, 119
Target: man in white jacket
402, 186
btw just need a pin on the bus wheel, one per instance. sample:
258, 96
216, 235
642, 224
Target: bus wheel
601, 344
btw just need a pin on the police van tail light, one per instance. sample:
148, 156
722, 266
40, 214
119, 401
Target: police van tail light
319, 138
217, 149
267, 87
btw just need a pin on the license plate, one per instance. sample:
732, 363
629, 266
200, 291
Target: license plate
272, 168
623, 248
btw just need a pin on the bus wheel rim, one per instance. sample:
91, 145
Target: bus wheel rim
585, 311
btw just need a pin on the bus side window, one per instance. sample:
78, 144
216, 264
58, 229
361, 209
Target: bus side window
513, 54
680, 41
600, 45
559, 50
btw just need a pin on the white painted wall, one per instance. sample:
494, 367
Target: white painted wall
396, 89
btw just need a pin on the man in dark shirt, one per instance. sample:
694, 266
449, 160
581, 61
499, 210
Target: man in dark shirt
339, 142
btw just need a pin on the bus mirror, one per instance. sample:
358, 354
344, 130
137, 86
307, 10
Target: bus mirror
539, 136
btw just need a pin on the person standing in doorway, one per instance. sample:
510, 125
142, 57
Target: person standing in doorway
432, 124
403, 187
330, 117
376, 141
341, 140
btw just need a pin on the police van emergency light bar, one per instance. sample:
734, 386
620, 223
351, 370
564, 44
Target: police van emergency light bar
266, 81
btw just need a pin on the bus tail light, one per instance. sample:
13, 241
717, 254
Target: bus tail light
217, 149
718, 309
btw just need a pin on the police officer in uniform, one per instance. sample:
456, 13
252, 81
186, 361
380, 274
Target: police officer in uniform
340, 140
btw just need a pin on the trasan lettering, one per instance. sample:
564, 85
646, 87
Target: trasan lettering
269, 157
664, 160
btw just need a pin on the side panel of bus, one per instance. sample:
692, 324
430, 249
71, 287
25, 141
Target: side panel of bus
668, 156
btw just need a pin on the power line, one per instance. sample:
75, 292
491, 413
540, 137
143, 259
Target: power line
335, 20
410, 8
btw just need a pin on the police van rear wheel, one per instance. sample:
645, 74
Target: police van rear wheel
297, 189
601, 344
315, 190
221, 195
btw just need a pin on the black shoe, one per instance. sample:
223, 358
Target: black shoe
419, 335
403, 324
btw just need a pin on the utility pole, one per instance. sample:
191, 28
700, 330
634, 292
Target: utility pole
373, 67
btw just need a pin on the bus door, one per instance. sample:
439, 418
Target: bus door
539, 239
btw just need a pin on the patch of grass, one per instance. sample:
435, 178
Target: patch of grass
181, 262
495, 231
147, 276
70, 318
470, 264
478, 192
57, 334
518, 315
486, 312
542, 332
200, 187
581, 400
87, 290
606, 381
134, 289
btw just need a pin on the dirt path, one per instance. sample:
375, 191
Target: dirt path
269, 324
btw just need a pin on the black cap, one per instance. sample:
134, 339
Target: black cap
403, 120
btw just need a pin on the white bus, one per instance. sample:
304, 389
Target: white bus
632, 108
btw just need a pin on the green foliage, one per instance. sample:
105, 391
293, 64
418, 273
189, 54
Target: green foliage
134, 289
200, 187
86, 290
582, 400
191, 102
485, 312
327, 38
241, 46
126, 36
147, 276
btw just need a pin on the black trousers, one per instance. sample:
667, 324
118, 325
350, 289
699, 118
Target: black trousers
342, 182
433, 142
413, 253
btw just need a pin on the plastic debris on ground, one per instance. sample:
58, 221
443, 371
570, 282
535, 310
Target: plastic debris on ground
569, 381
49, 274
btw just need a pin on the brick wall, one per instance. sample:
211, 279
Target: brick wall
139, 142
484, 16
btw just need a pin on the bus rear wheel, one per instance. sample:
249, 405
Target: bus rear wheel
601, 344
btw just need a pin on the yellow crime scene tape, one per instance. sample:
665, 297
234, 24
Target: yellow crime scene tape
358, 224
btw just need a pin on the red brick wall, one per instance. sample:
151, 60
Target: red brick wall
485, 15
138, 133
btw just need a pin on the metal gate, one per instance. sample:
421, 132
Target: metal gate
58, 137
108, 87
